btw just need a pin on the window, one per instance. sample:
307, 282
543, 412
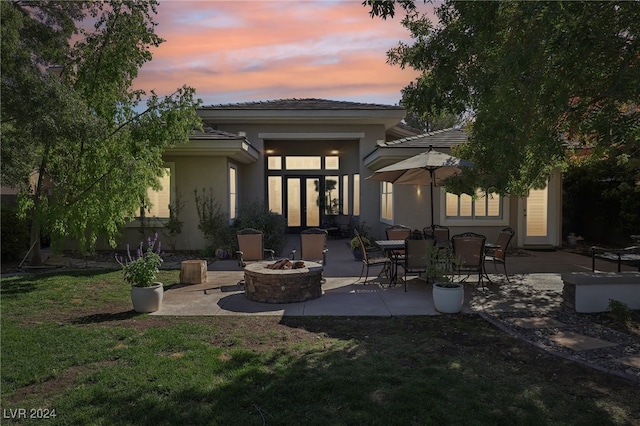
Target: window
233, 191
274, 162
160, 199
332, 163
303, 163
332, 194
274, 184
386, 201
345, 194
356, 194
485, 206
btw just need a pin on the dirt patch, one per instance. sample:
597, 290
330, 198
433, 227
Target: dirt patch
58, 385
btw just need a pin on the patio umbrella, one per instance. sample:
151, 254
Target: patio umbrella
430, 167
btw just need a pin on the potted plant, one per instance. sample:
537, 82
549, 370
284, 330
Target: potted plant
140, 272
354, 244
448, 296
222, 253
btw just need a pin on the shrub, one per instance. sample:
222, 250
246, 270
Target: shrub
355, 243
257, 215
213, 221
15, 235
360, 226
174, 224
619, 311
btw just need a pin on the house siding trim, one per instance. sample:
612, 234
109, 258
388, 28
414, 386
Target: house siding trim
312, 135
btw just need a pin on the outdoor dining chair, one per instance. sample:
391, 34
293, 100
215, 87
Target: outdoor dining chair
439, 233
251, 248
313, 245
468, 252
496, 253
415, 258
370, 259
398, 232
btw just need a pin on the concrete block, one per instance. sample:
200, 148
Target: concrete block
591, 291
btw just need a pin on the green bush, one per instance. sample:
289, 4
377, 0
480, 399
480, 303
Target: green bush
619, 311
213, 221
355, 243
257, 215
360, 226
15, 235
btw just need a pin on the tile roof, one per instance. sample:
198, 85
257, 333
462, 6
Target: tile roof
215, 133
301, 104
439, 138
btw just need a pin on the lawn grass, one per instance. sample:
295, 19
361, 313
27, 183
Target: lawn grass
71, 343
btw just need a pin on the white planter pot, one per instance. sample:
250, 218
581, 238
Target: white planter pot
147, 299
448, 300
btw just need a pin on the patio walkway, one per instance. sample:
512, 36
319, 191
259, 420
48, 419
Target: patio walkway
535, 285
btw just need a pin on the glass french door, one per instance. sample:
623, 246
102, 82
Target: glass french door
309, 199
303, 202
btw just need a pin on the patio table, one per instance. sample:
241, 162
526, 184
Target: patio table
388, 246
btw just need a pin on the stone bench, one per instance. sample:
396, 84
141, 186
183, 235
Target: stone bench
590, 292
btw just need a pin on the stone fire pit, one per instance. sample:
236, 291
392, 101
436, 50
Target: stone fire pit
282, 285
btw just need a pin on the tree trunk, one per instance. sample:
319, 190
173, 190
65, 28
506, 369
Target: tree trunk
36, 254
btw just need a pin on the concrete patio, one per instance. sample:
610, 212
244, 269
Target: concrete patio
535, 286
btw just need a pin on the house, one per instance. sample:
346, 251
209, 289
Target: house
308, 159
537, 218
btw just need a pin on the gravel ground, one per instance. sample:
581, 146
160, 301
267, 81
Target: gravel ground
626, 338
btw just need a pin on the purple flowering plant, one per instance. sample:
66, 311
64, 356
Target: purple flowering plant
140, 269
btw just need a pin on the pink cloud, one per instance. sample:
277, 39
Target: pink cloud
233, 51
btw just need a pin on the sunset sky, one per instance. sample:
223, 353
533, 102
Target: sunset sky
251, 50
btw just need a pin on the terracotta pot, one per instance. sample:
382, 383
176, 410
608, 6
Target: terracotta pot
147, 299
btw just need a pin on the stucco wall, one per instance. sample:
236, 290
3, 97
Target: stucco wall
317, 139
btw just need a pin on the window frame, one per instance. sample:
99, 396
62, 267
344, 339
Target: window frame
160, 220
232, 207
501, 220
387, 198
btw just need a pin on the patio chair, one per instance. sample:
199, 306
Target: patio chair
439, 233
251, 248
371, 258
313, 245
398, 232
496, 253
468, 252
415, 256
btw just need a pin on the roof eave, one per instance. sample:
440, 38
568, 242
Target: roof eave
239, 149
389, 118
383, 156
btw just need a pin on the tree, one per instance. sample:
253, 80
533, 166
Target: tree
431, 122
535, 76
77, 142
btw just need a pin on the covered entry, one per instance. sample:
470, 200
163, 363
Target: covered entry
310, 181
